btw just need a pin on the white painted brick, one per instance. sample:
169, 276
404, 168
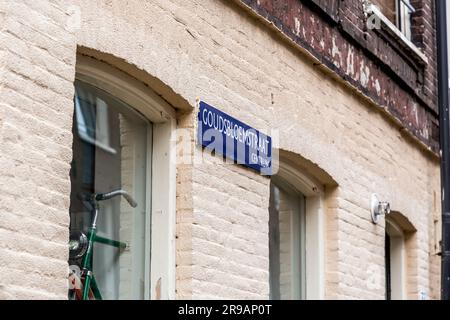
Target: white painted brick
222, 217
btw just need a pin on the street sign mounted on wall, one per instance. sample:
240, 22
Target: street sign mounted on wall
234, 139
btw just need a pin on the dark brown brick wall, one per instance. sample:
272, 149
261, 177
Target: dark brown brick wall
336, 33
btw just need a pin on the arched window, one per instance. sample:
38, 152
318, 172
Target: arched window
395, 261
296, 234
286, 242
121, 143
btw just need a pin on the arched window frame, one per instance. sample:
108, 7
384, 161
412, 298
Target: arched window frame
397, 260
314, 193
401, 228
161, 206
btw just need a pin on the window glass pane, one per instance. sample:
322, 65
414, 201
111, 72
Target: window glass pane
398, 12
388, 8
395, 263
387, 255
110, 153
286, 244
92, 122
404, 19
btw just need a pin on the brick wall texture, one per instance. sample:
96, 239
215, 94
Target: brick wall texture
36, 89
222, 53
337, 33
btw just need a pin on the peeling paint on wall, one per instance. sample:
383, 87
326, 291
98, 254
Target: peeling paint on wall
349, 60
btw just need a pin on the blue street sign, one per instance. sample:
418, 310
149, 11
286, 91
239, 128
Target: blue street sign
234, 139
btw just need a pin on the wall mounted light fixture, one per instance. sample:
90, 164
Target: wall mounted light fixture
378, 208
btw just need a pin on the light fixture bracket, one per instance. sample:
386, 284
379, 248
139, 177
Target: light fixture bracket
378, 208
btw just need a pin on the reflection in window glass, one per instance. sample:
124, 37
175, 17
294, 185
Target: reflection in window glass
404, 18
93, 123
286, 244
398, 12
388, 8
110, 153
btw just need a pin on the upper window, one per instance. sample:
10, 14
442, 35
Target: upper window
398, 12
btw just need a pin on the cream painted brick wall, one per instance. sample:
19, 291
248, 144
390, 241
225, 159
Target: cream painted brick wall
214, 51
36, 89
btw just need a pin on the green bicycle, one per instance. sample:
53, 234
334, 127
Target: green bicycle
82, 246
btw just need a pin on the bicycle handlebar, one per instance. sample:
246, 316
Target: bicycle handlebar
112, 194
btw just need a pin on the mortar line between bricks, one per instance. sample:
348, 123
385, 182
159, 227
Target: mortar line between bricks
34, 45
39, 152
19, 20
33, 219
38, 81
37, 116
30, 116
52, 72
33, 292
46, 260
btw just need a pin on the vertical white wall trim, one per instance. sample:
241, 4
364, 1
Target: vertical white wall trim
315, 249
148, 208
163, 212
398, 261
171, 145
163, 168
315, 227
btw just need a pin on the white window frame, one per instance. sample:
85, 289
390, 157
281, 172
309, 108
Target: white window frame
297, 232
314, 229
397, 260
403, 17
161, 204
372, 9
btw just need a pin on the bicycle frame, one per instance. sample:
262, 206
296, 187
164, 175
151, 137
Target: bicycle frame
90, 284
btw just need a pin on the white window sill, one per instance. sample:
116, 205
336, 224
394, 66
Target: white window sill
372, 9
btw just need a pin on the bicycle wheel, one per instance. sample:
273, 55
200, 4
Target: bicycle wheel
76, 287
